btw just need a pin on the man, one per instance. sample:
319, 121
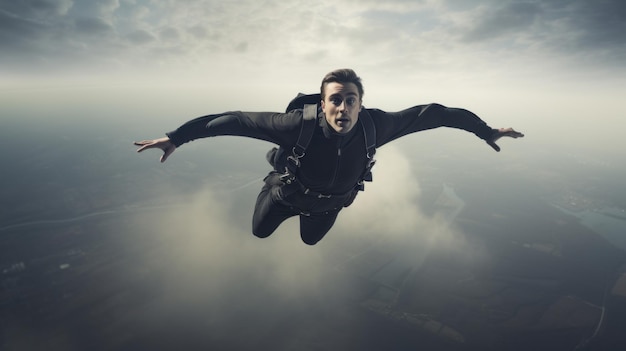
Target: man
316, 183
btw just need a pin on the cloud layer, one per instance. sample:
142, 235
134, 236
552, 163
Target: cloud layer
219, 277
114, 34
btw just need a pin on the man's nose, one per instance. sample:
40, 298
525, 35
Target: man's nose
343, 106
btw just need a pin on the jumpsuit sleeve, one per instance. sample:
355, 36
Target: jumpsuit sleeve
269, 126
393, 125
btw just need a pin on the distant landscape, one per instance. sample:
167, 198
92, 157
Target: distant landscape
90, 261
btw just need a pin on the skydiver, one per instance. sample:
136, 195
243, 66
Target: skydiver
317, 180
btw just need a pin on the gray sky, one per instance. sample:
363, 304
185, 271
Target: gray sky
540, 66
146, 37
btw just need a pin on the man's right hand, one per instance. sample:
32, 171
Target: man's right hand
502, 132
163, 143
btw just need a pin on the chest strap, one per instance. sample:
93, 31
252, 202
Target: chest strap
307, 128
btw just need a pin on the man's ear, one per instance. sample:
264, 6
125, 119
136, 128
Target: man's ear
323, 106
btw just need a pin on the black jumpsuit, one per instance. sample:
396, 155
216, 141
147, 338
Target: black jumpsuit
332, 165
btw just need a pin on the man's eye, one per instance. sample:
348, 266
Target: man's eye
351, 101
336, 101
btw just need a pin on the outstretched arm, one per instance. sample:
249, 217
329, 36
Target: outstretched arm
162, 143
393, 125
502, 132
278, 128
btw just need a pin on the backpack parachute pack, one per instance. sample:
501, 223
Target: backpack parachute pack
310, 110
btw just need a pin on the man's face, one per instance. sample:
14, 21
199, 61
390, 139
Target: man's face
341, 106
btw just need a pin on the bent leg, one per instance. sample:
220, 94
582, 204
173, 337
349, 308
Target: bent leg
314, 227
268, 214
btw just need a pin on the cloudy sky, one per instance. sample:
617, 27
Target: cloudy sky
201, 39
540, 57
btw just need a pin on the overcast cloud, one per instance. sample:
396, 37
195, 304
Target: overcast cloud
558, 62
67, 35
222, 279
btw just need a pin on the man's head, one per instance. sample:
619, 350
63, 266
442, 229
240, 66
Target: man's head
342, 96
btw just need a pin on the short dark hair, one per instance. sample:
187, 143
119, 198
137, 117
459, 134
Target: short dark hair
343, 75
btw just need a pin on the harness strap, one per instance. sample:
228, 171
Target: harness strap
369, 131
307, 128
319, 195
309, 118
